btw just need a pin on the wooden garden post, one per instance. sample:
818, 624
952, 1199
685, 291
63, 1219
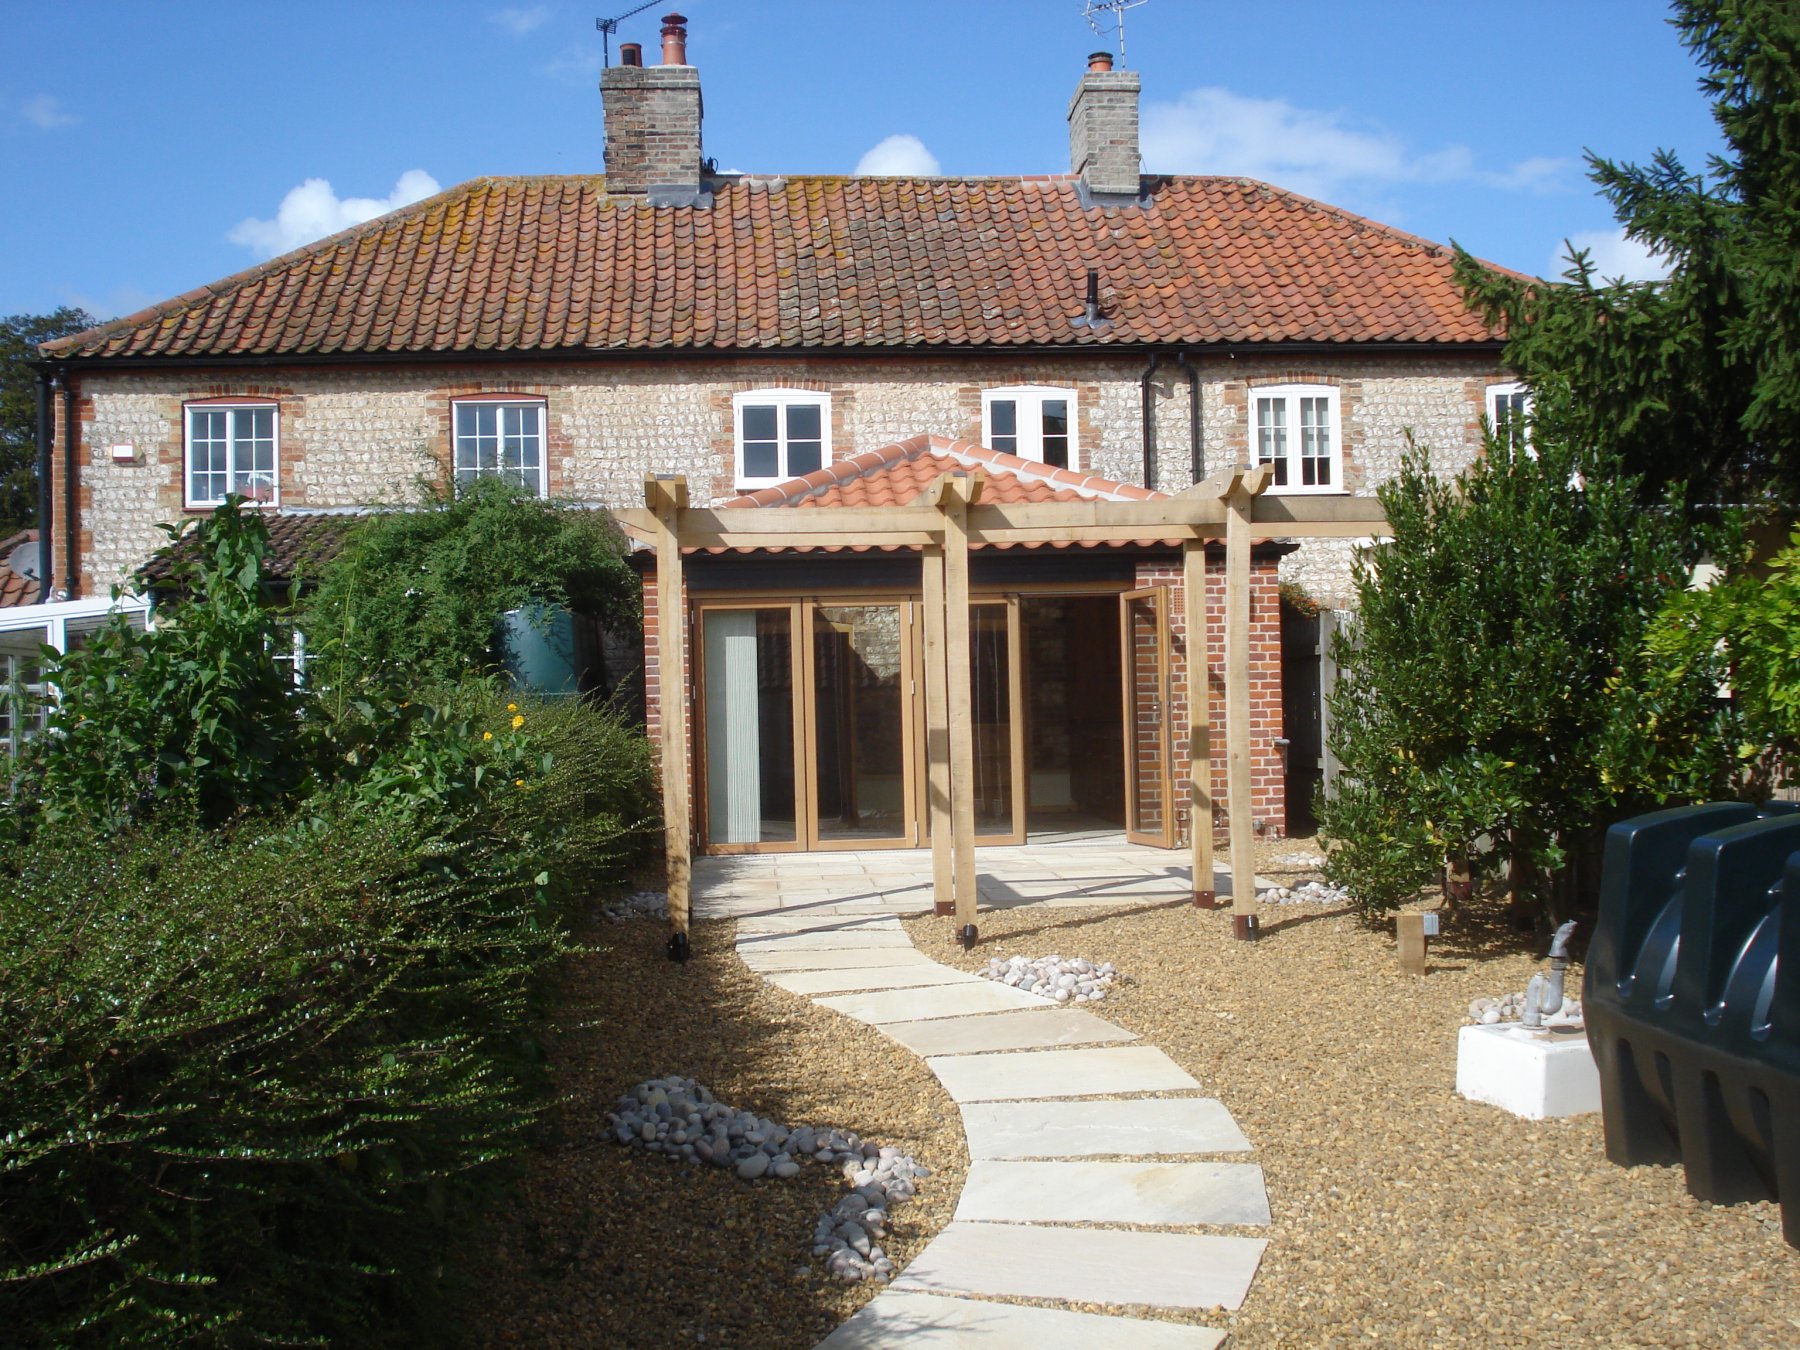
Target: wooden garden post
953, 495
1199, 698
1239, 501
937, 736
666, 496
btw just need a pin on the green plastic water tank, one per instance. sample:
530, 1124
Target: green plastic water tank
540, 650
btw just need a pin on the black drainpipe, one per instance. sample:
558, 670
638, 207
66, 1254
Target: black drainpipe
1196, 462
46, 497
1150, 421
71, 434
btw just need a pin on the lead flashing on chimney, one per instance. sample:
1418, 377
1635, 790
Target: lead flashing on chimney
1108, 200
678, 194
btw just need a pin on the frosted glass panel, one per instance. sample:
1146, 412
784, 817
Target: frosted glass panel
749, 726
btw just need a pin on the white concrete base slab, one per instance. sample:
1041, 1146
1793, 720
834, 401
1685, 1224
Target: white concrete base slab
1027, 1029
1034, 1074
1181, 1193
845, 958
829, 940
927, 1322
1085, 1265
1534, 1074
894, 977
1076, 1129
918, 1005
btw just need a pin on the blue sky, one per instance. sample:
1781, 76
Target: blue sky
151, 148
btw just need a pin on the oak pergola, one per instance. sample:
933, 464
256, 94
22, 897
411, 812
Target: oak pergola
943, 523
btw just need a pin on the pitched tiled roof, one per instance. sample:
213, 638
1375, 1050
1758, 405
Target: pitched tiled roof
558, 264
296, 543
896, 474
14, 588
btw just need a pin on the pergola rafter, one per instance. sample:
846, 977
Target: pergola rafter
943, 524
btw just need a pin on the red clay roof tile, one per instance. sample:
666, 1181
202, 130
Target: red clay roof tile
555, 263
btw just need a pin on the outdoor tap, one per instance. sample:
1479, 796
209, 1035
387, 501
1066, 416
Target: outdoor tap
1544, 995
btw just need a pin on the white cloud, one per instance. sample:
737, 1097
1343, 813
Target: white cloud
1216, 131
899, 156
522, 19
1615, 257
46, 113
312, 211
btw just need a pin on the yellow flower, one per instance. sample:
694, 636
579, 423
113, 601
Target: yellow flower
512, 707
518, 782
487, 735
518, 721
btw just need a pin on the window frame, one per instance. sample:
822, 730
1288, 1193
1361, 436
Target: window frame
782, 400
1292, 393
1035, 395
230, 407
1510, 389
537, 402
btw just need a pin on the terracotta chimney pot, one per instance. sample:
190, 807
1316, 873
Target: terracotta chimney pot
1100, 61
674, 36
631, 53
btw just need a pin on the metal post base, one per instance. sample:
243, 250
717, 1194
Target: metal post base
1243, 927
1206, 900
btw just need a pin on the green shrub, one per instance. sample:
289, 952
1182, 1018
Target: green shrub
413, 597
197, 709
1482, 695
242, 1068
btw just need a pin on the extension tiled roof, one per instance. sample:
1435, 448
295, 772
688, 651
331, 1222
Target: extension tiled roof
16, 589
297, 543
558, 264
896, 474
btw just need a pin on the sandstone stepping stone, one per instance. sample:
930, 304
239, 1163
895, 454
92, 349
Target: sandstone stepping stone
1072, 1129
852, 958
811, 921
917, 1005
828, 940
1085, 1265
1100, 1072
894, 977
927, 1322
1027, 1029
1114, 1192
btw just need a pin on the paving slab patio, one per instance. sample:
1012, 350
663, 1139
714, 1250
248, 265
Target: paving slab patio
1104, 1072
894, 977
918, 1005
829, 939
1085, 1265
1027, 1029
1174, 1194
870, 921
930, 1322
1076, 1129
848, 958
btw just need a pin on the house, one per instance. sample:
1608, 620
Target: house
1102, 333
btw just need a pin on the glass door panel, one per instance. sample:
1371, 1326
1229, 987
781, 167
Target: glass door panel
992, 673
1149, 818
860, 726
748, 666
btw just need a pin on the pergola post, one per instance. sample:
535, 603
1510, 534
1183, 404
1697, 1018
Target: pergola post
666, 497
953, 495
937, 736
1245, 487
1199, 699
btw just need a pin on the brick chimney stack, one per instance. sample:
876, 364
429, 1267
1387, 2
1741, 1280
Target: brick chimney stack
653, 122
1103, 129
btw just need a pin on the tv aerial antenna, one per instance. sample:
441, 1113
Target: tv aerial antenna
1095, 8
610, 26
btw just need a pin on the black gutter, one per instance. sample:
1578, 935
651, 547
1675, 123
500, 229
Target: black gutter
71, 433
641, 354
1196, 462
1150, 420
46, 487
